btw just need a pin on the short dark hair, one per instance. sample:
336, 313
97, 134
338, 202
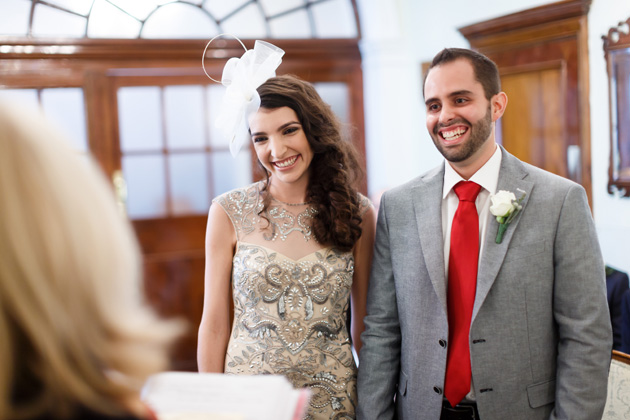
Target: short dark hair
485, 70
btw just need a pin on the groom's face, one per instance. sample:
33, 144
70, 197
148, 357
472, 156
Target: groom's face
459, 117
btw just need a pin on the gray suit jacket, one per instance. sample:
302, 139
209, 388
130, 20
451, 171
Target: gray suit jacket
540, 338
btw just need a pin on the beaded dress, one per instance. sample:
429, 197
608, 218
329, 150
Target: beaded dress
291, 298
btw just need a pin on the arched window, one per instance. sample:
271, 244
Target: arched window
177, 19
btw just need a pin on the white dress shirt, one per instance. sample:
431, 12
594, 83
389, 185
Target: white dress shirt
488, 177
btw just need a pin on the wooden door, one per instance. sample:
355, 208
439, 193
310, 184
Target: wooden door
532, 127
543, 62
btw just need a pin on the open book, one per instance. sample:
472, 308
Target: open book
214, 396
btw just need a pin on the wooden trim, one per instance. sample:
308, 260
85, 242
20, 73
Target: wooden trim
102, 125
169, 49
525, 68
355, 108
616, 38
550, 13
621, 357
584, 104
523, 38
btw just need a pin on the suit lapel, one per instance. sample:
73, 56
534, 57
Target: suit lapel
512, 177
427, 201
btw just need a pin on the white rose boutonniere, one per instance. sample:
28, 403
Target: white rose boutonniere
505, 207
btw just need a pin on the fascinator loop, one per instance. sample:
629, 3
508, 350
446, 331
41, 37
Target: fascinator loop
241, 77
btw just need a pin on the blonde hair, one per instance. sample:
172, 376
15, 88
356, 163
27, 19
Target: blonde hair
74, 327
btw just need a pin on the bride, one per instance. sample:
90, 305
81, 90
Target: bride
288, 257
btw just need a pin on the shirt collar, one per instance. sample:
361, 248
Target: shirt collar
487, 176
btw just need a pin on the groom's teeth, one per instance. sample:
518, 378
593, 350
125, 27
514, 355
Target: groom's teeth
451, 135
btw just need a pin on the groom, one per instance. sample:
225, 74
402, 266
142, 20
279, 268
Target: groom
466, 323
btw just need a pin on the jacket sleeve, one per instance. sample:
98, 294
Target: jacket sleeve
581, 313
379, 361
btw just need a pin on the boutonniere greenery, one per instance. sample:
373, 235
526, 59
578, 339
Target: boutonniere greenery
504, 206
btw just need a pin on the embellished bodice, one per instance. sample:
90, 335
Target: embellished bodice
291, 297
296, 300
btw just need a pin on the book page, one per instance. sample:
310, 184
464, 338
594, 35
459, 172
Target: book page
175, 395
199, 416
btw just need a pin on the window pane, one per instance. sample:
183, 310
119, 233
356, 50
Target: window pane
66, 107
184, 117
189, 183
138, 9
228, 172
273, 7
14, 17
146, 187
25, 97
53, 22
78, 6
215, 95
247, 23
292, 25
108, 21
335, 94
334, 19
179, 20
221, 8
139, 118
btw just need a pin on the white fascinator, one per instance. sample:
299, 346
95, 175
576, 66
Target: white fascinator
241, 77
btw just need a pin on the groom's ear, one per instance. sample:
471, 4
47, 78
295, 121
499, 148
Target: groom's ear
498, 104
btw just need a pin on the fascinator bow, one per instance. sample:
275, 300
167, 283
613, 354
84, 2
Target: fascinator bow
241, 77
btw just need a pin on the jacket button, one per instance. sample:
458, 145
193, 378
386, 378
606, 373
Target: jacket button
442, 343
437, 390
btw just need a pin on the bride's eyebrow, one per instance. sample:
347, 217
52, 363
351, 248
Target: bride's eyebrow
282, 127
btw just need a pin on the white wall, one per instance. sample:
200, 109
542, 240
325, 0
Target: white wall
398, 35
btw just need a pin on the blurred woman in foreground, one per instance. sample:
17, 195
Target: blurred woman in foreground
76, 338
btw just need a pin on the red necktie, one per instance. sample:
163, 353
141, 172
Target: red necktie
462, 284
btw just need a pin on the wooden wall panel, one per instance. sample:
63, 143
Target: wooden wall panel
174, 287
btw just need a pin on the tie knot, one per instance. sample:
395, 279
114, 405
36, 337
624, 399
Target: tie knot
467, 190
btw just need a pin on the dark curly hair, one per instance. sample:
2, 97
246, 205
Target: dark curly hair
335, 168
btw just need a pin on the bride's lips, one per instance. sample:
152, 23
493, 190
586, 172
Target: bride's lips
286, 163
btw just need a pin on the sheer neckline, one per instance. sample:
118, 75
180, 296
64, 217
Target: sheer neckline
275, 251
